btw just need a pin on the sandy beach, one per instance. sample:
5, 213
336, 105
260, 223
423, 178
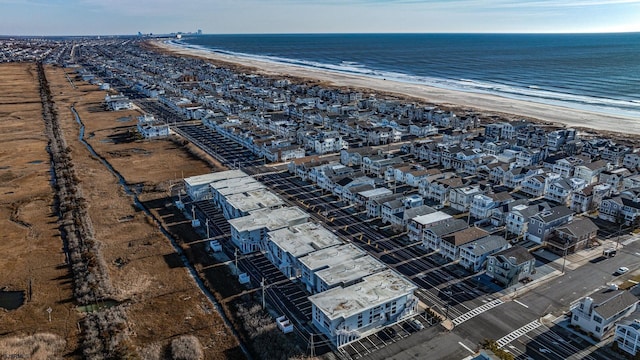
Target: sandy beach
484, 103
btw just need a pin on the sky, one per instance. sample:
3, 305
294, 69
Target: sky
116, 17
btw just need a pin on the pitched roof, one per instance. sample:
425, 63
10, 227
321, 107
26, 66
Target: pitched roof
519, 253
448, 227
579, 227
608, 302
554, 213
464, 236
485, 245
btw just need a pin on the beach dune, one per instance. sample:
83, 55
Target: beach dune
483, 103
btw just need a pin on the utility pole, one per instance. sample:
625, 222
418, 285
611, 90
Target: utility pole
313, 350
235, 253
207, 225
564, 257
262, 284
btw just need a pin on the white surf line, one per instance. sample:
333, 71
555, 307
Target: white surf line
519, 303
465, 346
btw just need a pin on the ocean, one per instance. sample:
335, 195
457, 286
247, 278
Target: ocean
596, 72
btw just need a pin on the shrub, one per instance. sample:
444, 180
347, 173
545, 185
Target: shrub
186, 348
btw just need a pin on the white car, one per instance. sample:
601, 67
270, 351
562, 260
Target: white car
622, 270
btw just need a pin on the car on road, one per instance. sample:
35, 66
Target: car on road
609, 252
622, 270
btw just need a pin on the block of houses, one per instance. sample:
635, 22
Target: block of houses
473, 255
511, 265
460, 198
347, 314
197, 187
627, 335
598, 312
451, 244
542, 224
517, 220
590, 172
573, 236
482, 204
249, 233
241, 204
589, 197
326, 259
432, 236
283, 247
624, 208
375, 206
419, 224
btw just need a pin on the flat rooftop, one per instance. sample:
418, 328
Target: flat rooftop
374, 290
332, 256
206, 179
431, 218
300, 240
349, 271
236, 186
377, 192
254, 199
270, 219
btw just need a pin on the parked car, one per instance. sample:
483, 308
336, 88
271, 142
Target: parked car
622, 270
609, 252
416, 324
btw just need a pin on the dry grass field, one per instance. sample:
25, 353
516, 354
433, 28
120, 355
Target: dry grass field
161, 299
31, 256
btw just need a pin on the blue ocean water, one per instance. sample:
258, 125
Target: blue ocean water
597, 72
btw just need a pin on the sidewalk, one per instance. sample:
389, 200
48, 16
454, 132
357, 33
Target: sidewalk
577, 259
563, 322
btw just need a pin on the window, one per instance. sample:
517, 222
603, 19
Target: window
575, 317
597, 328
597, 319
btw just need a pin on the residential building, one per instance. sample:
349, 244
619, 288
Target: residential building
451, 244
598, 312
574, 236
473, 255
419, 224
542, 224
589, 172
511, 265
347, 314
197, 187
241, 204
433, 235
627, 335
285, 246
326, 259
249, 233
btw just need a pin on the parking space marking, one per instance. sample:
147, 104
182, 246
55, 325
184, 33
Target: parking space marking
466, 347
519, 303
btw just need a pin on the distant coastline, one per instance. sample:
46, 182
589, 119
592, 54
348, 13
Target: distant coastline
490, 104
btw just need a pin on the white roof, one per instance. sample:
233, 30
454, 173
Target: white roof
236, 186
270, 219
431, 218
216, 176
328, 257
349, 271
254, 200
373, 291
381, 191
300, 240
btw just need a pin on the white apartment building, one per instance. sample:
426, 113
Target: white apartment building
249, 233
284, 247
349, 313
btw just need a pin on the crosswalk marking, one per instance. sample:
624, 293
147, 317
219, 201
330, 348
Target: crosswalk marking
517, 333
475, 312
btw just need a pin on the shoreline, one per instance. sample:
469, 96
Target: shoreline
486, 104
